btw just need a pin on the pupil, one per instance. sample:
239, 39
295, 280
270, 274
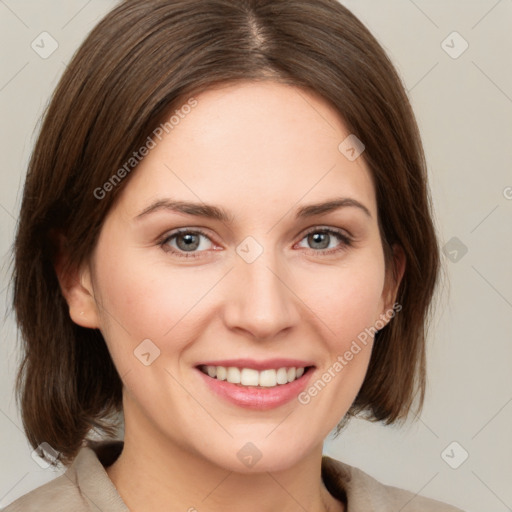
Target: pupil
319, 238
189, 241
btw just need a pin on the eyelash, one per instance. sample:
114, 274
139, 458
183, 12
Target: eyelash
346, 241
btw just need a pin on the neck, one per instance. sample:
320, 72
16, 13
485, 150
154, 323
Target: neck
154, 473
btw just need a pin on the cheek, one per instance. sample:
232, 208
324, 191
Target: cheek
346, 304
134, 302
347, 299
140, 301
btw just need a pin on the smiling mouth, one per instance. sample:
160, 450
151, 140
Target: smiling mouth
249, 377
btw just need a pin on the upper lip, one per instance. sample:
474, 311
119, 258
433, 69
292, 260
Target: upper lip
267, 364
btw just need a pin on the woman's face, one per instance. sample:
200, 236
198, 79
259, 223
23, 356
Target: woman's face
266, 288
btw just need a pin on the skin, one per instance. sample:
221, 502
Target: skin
260, 151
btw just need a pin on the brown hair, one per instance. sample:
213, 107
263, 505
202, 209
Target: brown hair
136, 65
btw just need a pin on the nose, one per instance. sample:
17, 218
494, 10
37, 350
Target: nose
260, 298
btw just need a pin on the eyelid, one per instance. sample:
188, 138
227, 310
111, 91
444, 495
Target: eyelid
346, 239
166, 237
320, 227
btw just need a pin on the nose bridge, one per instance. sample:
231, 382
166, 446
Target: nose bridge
263, 304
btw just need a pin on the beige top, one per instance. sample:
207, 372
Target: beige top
86, 487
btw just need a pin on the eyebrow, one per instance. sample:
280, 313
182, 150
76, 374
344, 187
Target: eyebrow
218, 213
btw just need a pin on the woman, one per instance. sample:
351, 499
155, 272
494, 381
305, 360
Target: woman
225, 235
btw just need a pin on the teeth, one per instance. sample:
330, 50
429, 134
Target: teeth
232, 374
250, 377
282, 376
268, 378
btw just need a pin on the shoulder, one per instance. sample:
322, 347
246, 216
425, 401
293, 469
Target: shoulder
364, 493
59, 494
85, 486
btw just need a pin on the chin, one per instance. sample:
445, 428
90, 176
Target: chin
258, 453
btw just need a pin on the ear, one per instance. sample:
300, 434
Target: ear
394, 275
76, 286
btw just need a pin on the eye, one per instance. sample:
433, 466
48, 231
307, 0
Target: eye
186, 241
320, 240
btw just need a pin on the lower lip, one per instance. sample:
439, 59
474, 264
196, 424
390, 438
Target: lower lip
258, 398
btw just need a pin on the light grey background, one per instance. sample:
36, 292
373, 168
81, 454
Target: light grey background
464, 108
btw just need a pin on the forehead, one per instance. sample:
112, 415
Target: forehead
252, 144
